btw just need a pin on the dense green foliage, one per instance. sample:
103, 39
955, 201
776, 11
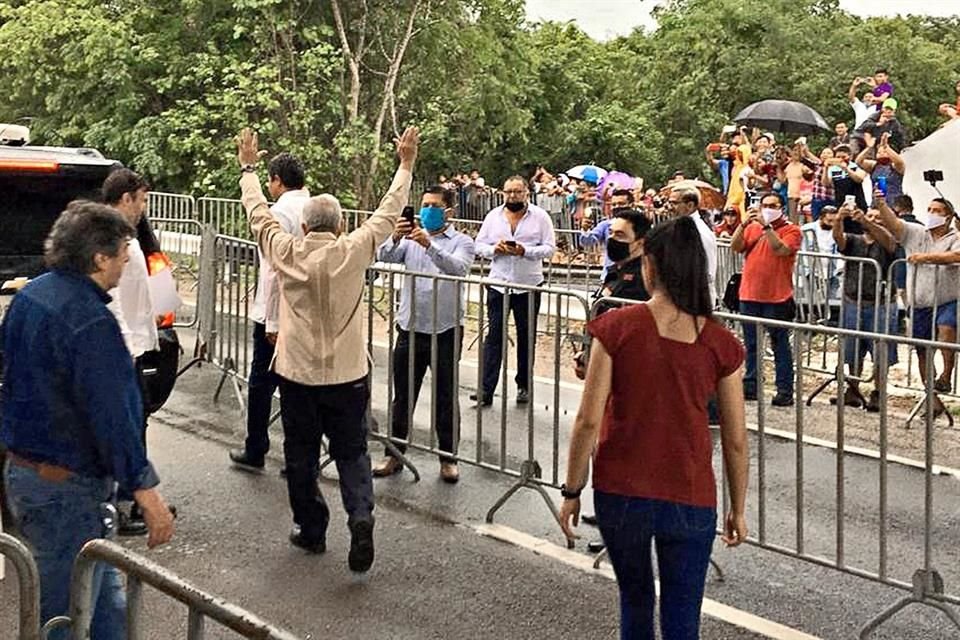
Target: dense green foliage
163, 85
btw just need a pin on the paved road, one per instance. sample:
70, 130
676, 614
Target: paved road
436, 577
818, 600
432, 578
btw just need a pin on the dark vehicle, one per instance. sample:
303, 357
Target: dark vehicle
36, 184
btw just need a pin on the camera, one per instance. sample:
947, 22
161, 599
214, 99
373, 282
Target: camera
933, 176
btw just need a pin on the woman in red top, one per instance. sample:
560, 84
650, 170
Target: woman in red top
652, 368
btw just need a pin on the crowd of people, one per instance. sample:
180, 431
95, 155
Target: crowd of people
74, 418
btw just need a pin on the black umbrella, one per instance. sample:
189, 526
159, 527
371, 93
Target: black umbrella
782, 116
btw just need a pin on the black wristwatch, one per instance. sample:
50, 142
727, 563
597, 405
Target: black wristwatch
248, 168
568, 494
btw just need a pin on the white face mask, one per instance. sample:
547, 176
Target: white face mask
934, 221
769, 215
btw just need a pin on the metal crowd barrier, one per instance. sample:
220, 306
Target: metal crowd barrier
927, 585
890, 565
171, 206
139, 571
503, 452
28, 578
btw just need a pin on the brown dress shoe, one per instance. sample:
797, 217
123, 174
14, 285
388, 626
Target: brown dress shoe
387, 467
449, 472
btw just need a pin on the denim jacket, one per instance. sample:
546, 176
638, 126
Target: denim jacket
70, 395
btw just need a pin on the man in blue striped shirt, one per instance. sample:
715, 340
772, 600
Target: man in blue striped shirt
432, 247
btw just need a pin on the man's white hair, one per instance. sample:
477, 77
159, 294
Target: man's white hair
322, 213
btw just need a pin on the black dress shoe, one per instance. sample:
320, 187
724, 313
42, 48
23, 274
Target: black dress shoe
245, 462
523, 396
482, 399
310, 546
596, 546
589, 518
783, 400
360, 558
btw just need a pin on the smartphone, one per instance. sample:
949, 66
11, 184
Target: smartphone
510, 243
850, 201
407, 214
881, 183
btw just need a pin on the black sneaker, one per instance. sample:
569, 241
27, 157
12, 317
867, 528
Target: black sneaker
483, 400
782, 400
360, 558
243, 461
523, 396
941, 385
310, 546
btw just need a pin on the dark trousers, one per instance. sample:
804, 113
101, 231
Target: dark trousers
683, 536
780, 338
260, 389
448, 357
339, 412
493, 344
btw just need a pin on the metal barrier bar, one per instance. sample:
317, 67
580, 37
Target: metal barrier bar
28, 580
141, 570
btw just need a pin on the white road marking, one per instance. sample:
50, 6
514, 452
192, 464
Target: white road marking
711, 608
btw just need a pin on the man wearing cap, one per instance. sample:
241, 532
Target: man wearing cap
886, 122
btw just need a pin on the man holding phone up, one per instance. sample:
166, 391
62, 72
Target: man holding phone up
516, 238
432, 247
770, 244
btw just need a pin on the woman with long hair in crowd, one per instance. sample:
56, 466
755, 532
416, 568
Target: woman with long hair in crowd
653, 366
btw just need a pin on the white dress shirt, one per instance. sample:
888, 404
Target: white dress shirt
709, 240
534, 233
132, 306
266, 305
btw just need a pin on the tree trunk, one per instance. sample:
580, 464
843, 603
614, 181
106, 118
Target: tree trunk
389, 87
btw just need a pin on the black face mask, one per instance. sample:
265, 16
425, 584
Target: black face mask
515, 207
617, 250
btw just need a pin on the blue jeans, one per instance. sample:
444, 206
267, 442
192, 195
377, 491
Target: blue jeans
56, 519
683, 536
862, 319
780, 338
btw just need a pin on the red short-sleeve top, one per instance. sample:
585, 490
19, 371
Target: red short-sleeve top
655, 439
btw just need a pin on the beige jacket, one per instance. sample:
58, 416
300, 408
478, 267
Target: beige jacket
322, 279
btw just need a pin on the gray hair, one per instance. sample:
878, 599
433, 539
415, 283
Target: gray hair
82, 231
688, 194
322, 213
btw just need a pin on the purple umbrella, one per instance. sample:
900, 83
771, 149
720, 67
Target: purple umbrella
620, 179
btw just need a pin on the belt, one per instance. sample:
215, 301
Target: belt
48, 472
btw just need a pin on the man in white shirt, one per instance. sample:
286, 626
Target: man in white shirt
862, 109
685, 201
132, 306
287, 177
516, 237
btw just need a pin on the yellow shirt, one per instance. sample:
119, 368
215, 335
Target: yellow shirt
322, 280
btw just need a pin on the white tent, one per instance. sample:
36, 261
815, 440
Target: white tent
939, 151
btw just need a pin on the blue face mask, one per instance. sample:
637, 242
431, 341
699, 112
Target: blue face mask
431, 218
